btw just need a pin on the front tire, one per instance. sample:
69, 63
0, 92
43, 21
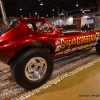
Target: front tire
33, 68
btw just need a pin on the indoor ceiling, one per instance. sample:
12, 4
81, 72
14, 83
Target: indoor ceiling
48, 8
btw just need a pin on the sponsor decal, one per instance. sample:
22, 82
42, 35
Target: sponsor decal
62, 44
98, 34
58, 44
76, 48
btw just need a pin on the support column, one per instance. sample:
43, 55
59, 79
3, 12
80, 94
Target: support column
58, 15
64, 17
3, 13
99, 8
97, 19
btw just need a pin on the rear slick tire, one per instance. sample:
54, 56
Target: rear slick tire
33, 68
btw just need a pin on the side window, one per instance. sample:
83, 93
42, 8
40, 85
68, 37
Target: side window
30, 26
39, 26
46, 28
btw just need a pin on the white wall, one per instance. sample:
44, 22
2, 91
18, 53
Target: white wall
69, 20
85, 16
56, 21
66, 21
83, 21
88, 15
53, 21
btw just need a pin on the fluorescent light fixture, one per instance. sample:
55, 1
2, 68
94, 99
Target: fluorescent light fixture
61, 14
86, 9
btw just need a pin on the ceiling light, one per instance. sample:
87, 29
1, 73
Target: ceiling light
35, 13
20, 9
77, 5
41, 4
53, 10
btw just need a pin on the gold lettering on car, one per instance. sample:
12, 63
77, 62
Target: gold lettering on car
62, 43
75, 41
98, 34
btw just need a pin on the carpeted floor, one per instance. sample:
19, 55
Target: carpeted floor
85, 85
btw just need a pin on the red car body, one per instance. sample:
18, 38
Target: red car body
60, 44
29, 46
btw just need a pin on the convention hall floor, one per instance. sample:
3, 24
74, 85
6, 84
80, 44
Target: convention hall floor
85, 85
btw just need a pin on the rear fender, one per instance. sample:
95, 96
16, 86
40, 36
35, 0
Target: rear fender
40, 44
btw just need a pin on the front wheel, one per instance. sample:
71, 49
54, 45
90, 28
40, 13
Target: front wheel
33, 68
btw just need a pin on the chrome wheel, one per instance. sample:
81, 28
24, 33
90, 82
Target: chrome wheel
36, 68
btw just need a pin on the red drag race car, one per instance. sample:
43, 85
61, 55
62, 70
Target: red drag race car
29, 46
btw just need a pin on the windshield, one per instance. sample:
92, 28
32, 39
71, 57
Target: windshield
9, 27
